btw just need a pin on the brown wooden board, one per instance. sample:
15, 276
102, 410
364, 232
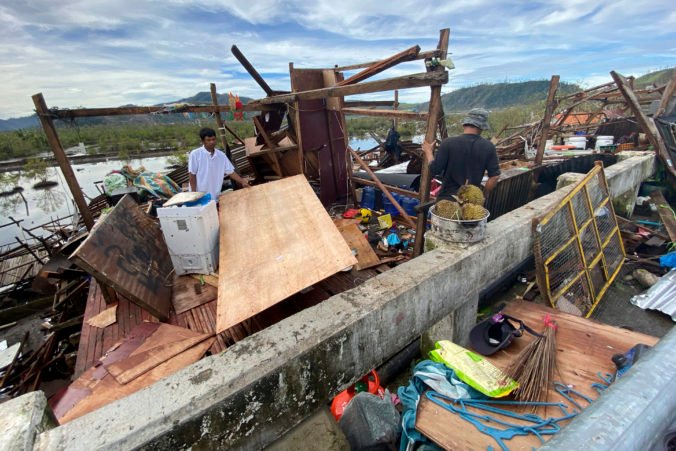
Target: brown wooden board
584, 347
354, 238
275, 240
666, 213
189, 292
96, 387
126, 250
105, 318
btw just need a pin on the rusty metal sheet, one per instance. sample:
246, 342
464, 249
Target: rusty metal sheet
126, 251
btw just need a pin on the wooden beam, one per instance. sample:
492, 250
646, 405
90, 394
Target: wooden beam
60, 156
394, 189
251, 70
367, 103
434, 112
388, 84
421, 56
382, 187
219, 121
294, 116
396, 114
547, 119
666, 95
646, 123
666, 214
135, 110
395, 107
407, 55
276, 166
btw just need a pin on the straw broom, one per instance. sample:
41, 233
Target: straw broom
534, 367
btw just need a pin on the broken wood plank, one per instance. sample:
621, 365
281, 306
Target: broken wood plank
167, 343
547, 119
282, 240
422, 55
127, 251
188, 293
251, 70
96, 387
354, 238
105, 318
387, 84
584, 347
669, 90
407, 55
666, 214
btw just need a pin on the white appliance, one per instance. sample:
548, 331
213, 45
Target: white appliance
191, 234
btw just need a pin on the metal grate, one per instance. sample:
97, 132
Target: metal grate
578, 247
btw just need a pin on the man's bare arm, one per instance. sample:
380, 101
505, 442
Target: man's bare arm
491, 183
193, 181
241, 181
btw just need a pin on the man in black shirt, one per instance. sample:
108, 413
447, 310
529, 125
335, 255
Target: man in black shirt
465, 158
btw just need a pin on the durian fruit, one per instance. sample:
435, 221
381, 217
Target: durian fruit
472, 211
447, 209
471, 194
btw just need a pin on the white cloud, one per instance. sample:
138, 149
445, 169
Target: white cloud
102, 53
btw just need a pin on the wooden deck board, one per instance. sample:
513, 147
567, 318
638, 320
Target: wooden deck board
584, 347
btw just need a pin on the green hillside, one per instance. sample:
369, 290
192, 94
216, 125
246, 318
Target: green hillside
657, 78
499, 95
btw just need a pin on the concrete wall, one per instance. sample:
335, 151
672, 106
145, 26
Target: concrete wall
264, 385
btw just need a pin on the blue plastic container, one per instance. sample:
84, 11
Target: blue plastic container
389, 206
368, 198
409, 204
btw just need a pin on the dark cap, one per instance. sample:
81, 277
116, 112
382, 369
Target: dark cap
477, 117
495, 333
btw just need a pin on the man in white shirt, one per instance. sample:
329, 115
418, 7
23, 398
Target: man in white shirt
208, 166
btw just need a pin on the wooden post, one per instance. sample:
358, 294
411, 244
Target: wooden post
250, 69
547, 119
395, 106
666, 95
382, 187
219, 121
295, 114
60, 156
646, 123
430, 135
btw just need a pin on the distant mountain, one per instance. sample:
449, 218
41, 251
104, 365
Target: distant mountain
19, 122
499, 95
201, 98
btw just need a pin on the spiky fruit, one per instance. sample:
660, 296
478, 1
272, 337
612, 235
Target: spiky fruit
447, 209
471, 212
471, 194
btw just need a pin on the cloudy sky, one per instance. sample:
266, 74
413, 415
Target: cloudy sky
108, 53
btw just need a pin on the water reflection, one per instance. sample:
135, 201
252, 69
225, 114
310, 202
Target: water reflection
12, 203
50, 200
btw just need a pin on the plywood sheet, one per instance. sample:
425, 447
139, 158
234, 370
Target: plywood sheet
354, 238
188, 293
97, 387
126, 250
105, 318
275, 240
584, 347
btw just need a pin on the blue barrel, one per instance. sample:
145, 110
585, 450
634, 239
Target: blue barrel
409, 204
368, 198
389, 206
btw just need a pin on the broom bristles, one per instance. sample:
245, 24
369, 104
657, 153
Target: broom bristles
534, 367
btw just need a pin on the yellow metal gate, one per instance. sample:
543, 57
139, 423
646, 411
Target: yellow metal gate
578, 246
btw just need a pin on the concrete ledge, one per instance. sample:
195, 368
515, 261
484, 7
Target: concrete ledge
22, 419
264, 385
634, 412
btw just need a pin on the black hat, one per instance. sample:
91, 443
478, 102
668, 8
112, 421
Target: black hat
496, 332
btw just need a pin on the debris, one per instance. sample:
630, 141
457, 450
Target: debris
661, 296
645, 277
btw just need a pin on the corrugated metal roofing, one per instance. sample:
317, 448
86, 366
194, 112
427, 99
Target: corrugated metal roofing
661, 296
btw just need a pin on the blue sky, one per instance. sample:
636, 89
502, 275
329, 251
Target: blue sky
109, 53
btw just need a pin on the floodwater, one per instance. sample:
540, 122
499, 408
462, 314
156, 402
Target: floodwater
56, 202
